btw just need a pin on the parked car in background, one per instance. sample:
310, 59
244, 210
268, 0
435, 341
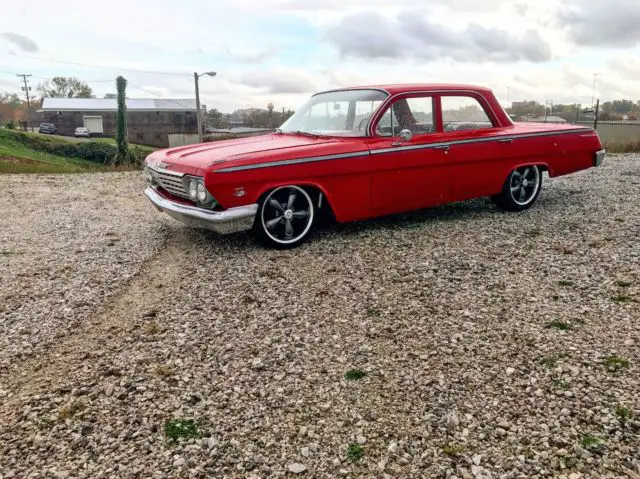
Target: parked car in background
362, 152
82, 131
49, 128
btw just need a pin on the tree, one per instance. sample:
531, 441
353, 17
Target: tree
123, 155
65, 87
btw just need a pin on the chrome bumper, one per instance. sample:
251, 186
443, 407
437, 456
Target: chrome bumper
223, 222
599, 157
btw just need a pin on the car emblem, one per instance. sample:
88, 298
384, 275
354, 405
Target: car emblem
162, 165
239, 192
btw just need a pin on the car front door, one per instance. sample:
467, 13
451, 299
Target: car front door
412, 172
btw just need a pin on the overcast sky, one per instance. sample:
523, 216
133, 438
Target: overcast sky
283, 50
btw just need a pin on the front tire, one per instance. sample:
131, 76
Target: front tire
521, 189
285, 217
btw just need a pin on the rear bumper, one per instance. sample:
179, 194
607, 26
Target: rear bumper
599, 157
222, 222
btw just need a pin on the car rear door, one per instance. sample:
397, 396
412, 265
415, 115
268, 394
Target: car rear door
408, 174
479, 146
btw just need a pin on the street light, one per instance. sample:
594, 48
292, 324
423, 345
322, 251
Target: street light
196, 76
270, 108
593, 93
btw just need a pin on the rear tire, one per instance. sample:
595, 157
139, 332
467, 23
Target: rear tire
285, 217
520, 190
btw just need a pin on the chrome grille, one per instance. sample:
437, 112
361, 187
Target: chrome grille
172, 182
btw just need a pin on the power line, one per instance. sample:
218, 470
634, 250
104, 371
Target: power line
49, 79
105, 67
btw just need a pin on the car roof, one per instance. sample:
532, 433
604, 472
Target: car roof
395, 88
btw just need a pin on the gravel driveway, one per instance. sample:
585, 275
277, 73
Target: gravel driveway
460, 341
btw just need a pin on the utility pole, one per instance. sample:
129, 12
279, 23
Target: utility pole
26, 89
593, 92
196, 77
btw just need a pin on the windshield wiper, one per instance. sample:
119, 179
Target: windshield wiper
305, 133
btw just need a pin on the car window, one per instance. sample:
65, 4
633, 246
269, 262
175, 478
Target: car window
463, 113
414, 114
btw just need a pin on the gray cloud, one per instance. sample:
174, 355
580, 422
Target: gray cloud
370, 35
596, 23
25, 43
276, 82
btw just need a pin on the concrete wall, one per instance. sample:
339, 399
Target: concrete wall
617, 132
181, 139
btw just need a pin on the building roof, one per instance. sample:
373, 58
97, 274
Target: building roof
418, 87
108, 104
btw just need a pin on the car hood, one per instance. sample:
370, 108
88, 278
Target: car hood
194, 159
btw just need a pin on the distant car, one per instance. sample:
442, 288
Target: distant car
82, 131
47, 128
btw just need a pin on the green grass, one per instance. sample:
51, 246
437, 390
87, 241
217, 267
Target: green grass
355, 452
565, 282
25, 160
354, 374
589, 441
454, 450
562, 326
622, 413
616, 362
181, 428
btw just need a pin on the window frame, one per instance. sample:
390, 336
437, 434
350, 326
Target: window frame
383, 108
488, 111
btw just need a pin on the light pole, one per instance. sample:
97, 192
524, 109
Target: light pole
593, 92
270, 108
196, 76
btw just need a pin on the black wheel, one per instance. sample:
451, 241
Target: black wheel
520, 190
285, 217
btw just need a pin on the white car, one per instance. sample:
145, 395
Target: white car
82, 131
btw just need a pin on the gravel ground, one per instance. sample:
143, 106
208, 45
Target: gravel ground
460, 341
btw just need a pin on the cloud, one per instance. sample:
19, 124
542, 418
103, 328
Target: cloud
613, 23
280, 81
23, 42
410, 35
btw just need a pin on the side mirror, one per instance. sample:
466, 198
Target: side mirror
405, 135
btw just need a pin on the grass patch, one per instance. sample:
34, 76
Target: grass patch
560, 384
454, 450
622, 298
565, 282
616, 362
623, 413
534, 232
354, 374
589, 441
621, 146
70, 410
549, 361
618, 219
181, 429
372, 312
623, 284
163, 371
561, 325
355, 452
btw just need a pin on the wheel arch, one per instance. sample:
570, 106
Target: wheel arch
313, 188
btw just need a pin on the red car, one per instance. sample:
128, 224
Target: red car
362, 152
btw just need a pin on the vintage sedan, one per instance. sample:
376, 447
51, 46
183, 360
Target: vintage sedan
362, 152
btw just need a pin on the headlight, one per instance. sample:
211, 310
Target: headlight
202, 192
193, 190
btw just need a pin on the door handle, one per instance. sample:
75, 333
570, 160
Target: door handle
443, 147
506, 140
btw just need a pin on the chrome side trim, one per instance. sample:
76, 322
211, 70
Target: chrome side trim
229, 221
498, 138
311, 159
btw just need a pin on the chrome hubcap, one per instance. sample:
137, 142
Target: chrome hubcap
524, 184
287, 214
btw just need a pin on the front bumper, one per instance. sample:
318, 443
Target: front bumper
599, 157
222, 222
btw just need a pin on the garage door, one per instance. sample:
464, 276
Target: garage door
93, 124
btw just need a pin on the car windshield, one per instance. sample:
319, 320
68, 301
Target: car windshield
335, 113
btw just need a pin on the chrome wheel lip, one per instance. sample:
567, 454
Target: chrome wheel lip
309, 221
526, 183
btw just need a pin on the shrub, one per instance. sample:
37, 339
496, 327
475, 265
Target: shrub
10, 125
